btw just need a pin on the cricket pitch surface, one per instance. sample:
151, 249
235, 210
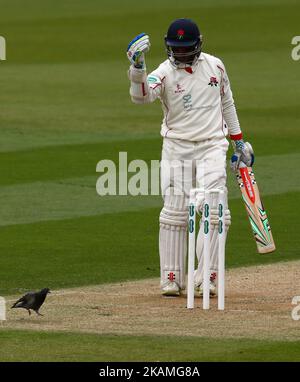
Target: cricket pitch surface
258, 305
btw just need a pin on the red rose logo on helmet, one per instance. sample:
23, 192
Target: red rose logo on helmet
180, 34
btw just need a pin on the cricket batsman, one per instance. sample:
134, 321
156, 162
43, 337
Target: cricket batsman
199, 113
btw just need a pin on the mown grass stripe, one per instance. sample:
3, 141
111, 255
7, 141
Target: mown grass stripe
60, 347
75, 197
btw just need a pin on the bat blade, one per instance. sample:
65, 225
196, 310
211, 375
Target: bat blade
256, 212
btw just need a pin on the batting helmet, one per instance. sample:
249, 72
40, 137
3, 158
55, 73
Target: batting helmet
183, 42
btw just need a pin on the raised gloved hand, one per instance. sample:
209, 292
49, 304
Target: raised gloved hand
136, 49
243, 153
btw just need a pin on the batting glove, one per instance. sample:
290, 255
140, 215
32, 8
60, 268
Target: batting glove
243, 153
136, 49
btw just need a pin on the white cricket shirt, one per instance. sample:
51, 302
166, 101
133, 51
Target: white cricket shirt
197, 102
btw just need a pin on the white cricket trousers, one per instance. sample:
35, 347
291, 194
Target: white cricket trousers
185, 165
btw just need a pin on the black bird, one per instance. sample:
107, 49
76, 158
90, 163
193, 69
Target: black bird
32, 300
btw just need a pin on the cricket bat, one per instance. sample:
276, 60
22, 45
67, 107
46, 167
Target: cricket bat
255, 209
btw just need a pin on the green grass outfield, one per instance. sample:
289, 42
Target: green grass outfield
63, 347
64, 105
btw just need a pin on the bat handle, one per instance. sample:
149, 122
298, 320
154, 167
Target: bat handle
242, 165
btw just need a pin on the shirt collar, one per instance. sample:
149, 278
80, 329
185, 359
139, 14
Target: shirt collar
189, 69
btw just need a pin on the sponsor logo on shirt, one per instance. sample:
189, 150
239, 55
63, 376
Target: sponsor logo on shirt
179, 89
187, 102
153, 79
